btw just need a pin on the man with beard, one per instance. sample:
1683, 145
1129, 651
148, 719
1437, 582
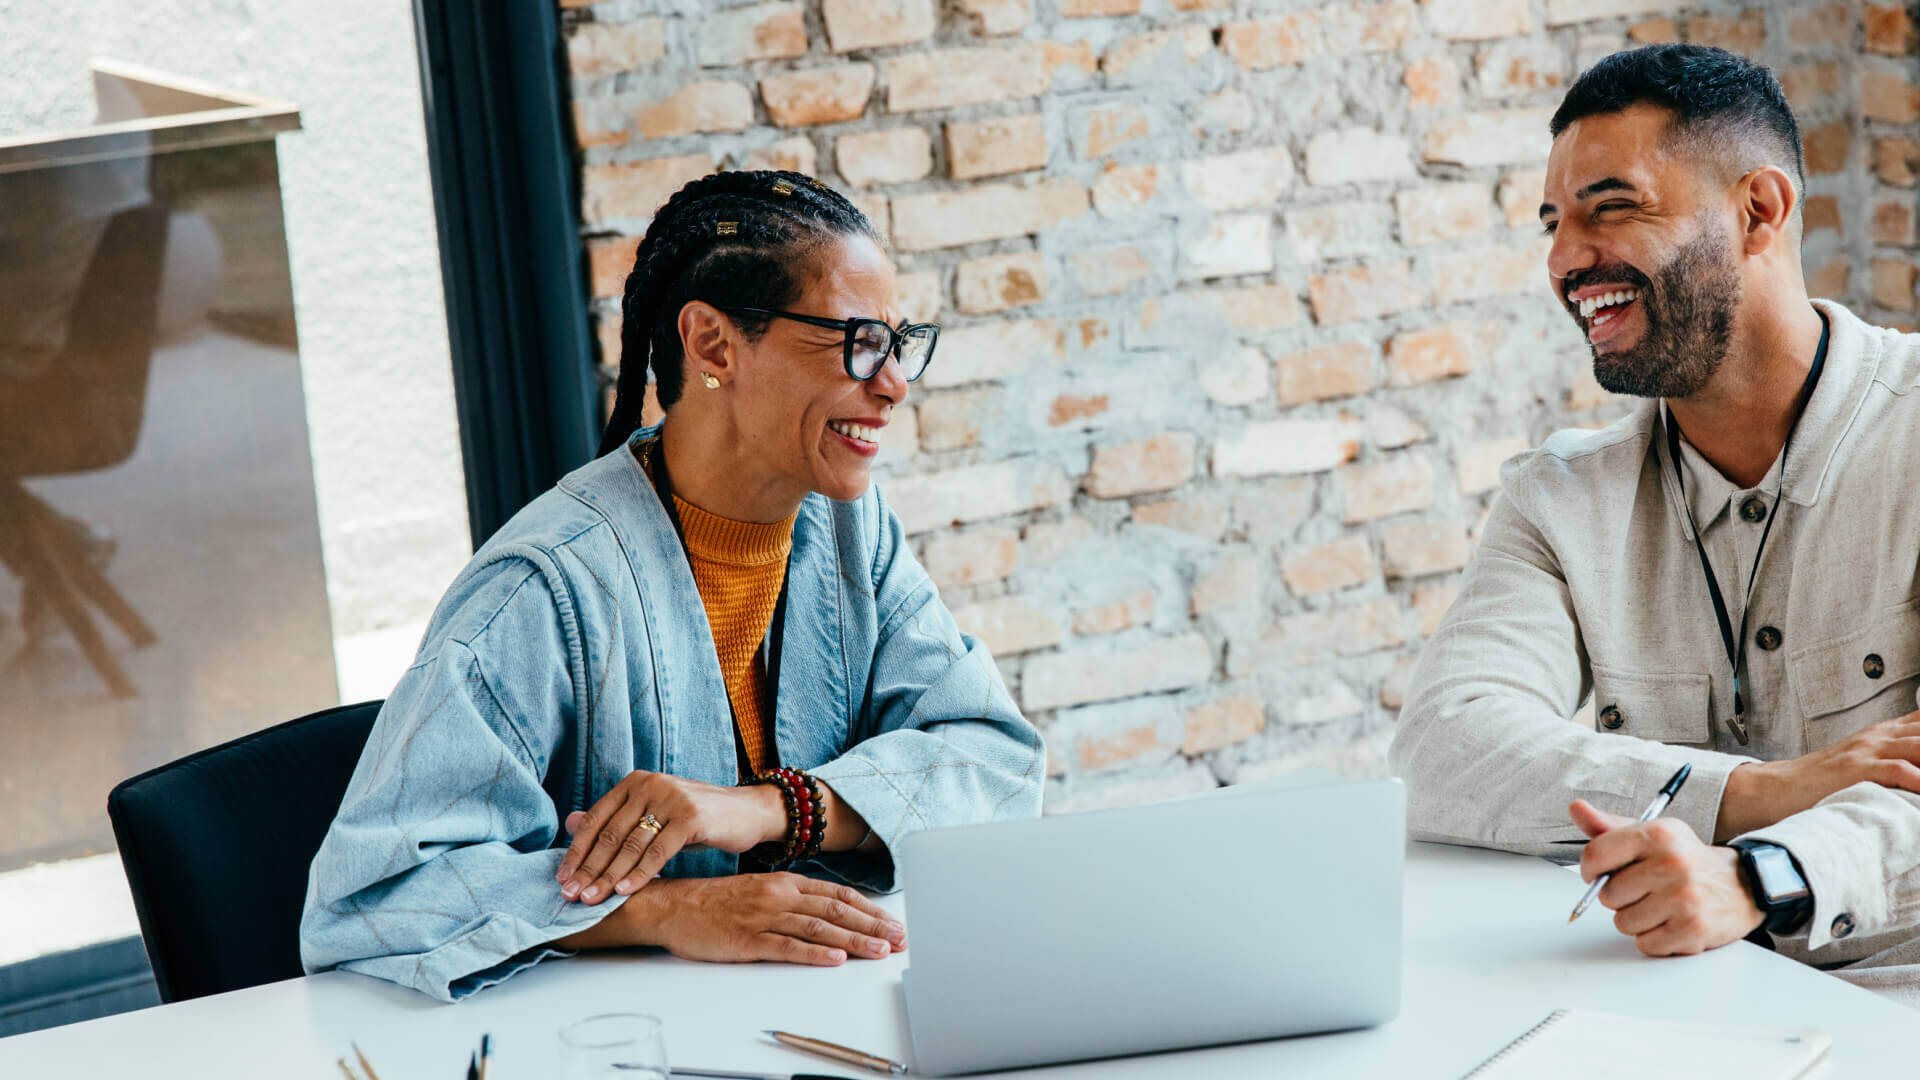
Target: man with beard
1730, 576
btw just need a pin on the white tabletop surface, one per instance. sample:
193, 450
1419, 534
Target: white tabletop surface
1488, 953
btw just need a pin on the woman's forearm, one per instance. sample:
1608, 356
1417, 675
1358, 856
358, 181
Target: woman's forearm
632, 923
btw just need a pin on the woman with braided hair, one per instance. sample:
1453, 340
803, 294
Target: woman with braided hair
696, 692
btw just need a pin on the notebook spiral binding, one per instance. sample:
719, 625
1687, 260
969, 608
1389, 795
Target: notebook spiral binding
1508, 1050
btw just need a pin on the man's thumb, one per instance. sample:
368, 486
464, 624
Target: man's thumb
1592, 820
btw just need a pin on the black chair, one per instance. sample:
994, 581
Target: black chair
216, 848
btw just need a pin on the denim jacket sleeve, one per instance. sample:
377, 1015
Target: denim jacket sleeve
438, 872
943, 742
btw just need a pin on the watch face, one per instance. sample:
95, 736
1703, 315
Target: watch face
1778, 879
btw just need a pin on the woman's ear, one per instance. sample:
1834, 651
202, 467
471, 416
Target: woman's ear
707, 340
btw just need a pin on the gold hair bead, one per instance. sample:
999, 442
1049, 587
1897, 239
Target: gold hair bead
729, 228
781, 187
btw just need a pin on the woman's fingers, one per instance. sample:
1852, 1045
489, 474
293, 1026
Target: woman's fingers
621, 831
880, 933
586, 830
672, 838
640, 839
824, 931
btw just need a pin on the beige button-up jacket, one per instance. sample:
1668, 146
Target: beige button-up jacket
1586, 588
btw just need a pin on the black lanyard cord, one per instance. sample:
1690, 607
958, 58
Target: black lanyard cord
1736, 647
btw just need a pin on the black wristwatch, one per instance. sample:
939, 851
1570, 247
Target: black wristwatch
1779, 889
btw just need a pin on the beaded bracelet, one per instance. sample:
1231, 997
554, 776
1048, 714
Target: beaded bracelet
806, 819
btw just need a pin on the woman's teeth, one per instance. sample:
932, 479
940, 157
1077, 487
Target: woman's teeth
1606, 300
853, 431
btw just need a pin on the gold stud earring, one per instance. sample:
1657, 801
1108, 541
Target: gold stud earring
708, 378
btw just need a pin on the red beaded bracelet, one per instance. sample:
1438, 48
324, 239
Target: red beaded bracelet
806, 818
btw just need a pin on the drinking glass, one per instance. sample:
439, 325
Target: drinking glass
615, 1046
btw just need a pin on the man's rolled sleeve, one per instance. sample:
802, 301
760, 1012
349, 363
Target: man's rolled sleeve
1859, 849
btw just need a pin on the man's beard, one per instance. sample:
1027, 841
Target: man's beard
1689, 322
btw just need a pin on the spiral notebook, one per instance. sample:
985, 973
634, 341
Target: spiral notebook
1578, 1044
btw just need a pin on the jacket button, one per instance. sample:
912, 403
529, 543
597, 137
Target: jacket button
1873, 666
1768, 638
1611, 719
1842, 925
1754, 508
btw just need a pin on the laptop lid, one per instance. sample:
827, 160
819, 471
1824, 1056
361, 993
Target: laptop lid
1242, 915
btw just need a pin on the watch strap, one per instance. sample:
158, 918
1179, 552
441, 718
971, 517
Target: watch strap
1783, 917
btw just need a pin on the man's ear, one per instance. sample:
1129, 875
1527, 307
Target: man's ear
1767, 202
706, 340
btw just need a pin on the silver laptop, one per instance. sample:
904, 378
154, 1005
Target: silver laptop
1247, 914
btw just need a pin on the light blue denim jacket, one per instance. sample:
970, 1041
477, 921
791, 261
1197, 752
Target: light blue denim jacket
573, 650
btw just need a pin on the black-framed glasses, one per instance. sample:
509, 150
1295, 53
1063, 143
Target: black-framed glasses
871, 341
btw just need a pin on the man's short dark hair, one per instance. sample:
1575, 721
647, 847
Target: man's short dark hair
1727, 105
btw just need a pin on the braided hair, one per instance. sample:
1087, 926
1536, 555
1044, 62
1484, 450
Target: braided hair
731, 239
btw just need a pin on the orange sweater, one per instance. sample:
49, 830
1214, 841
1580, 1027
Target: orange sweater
739, 567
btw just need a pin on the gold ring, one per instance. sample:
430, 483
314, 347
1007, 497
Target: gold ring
650, 823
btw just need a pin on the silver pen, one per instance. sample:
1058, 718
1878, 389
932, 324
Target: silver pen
1659, 803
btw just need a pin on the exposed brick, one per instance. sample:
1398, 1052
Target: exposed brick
707, 105
1366, 28
1829, 279
1659, 31
1337, 369
1565, 12
1396, 484
984, 212
818, 96
1476, 20
1418, 548
1495, 137
1489, 272
1340, 230
1480, 463
1120, 189
951, 420
1102, 129
1436, 352
1432, 82
1286, 446
994, 350
597, 122
1083, 9
1893, 284
636, 190
608, 48
1160, 463
1893, 222
1329, 567
1047, 541
1266, 513
1357, 155
998, 282
1108, 270
1390, 429
609, 261
1232, 581
1222, 113
1430, 604
995, 17
873, 24
1008, 144
1393, 688
1890, 30
1135, 609
1826, 24
1822, 212
1363, 292
1096, 753
1826, 147
1439, 212
1009, 626
1070, 408
976, 493
951, 78
1896, 160
1069, 63
888, 156
900, 439
1746, 35
1811, 87
795, 153
1052, 680
1520, 66
1220, 724
1889, 97
1202, 516
1240, 180
1134, 55
1269, 43
956, 560
760, 32
1239, 377
1520, 195
1238, 244
1319, 636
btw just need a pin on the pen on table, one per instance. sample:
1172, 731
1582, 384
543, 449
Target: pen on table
1652, 811
846, 1055
486, 1055
365, 1065
473, 1066
723, 1074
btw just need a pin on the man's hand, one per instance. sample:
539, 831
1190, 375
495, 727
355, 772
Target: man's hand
1670, 892
613, 851
749, 917
1759, 794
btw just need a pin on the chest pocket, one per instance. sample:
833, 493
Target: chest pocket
1854, 674
1668, 708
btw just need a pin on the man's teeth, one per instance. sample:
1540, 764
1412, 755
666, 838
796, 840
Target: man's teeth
853, 431
1594, 303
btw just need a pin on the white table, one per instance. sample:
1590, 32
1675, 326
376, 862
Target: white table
1488, 953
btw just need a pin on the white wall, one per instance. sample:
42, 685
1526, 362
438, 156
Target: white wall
366, 279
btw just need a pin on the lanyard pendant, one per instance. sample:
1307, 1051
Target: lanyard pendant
1737, 723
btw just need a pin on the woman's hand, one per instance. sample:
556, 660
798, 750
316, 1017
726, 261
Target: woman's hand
618, 847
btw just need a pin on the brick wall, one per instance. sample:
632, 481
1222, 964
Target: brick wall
1244, 306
